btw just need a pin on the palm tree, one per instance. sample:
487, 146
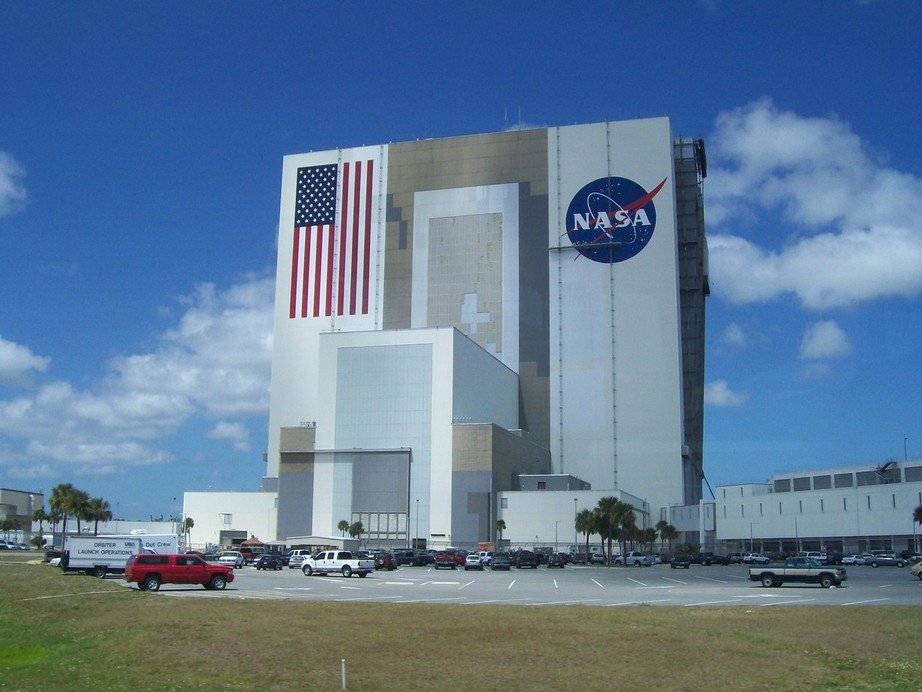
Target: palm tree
669, 533
60, 497
187, 525
917, 518
356, 530
609, 513
585, 523
80, 504
500, 527
97, 510
343, 526
40, 516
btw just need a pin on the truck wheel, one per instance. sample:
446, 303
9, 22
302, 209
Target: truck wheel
347, 571
900, 563
151, 583
362, 575
308, 571
826, 581
99, 571
218, 582
874, 565
768, 580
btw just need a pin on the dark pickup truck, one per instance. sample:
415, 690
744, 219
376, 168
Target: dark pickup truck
805, 570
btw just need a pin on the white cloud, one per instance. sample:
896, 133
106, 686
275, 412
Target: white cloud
13, 195
214, 363
17, 363
844, 229
718, 393
733, 334
824, 340
235, 432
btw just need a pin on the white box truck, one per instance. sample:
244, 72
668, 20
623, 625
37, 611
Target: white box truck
160, 543
99, 555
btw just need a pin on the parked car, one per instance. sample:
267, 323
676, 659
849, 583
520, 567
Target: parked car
886, 560
444, 559
708, 559
500, 561
268, 561
232, 558
423, 558
682, 560
755, 559
296, 561
579, 558
852, 560
526, 558
473, 561
555, 560
735, 558
596, 559
385, 561
631, 559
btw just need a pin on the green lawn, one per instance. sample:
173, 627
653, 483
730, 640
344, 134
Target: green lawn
73, 632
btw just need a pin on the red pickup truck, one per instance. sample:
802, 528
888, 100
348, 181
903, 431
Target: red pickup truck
150, 571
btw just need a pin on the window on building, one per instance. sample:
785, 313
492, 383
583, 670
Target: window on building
742, 510
844, 504
542, 485
505, 503
843, 480
822, 482
912, 473
782, 485
821, 505
869, 502
893, 499
802, 483
760, 509
800, 506
779, 509
867, 478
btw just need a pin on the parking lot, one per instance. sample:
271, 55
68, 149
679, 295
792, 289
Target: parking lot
574, 585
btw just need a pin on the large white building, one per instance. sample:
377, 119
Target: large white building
454, 313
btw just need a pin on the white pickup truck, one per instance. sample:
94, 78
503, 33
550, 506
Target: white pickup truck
805, 570
337, 561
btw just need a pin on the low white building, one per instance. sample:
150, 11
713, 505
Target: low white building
227, 518
850, 509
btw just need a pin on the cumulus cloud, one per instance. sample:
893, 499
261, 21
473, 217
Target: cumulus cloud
236, 433
733, 334
718, 393
214, 363
12, 193
824, 340
18, 363
841, 229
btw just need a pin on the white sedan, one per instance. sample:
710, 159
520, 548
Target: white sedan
473, 561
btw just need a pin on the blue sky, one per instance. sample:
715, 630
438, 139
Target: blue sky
140, 161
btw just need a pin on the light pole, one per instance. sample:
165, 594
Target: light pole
416, 538
556, 523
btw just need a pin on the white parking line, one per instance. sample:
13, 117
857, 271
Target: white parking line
464, 586
872, 600
677, 581
598, 584
510, 584
705, 603
805, 600
636, 603
636, 582
555, 583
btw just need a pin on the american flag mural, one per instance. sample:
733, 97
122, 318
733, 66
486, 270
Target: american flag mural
331, 245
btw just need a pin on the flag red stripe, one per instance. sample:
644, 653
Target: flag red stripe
366, 269
354, 275
306, 270
331, 232
293, 297
342, 240
318, 267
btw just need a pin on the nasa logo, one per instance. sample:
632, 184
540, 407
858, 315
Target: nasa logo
611, 219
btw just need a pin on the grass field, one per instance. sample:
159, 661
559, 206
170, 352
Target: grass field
73, 632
